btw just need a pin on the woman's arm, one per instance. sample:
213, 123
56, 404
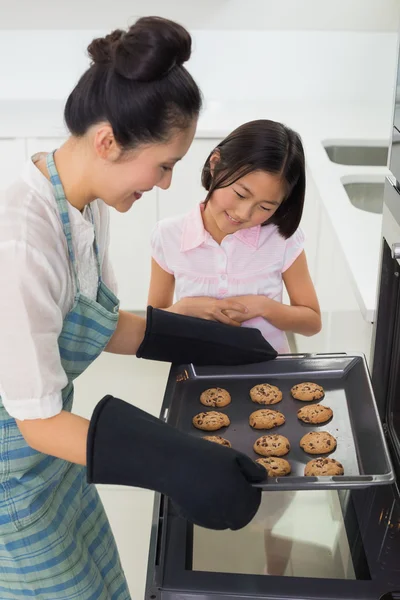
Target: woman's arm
130, 329
63, 436
128, 335
302, 316
161, 294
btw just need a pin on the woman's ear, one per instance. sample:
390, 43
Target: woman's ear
105, 144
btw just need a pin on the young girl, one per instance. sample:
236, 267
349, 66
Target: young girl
241, 245
243, 242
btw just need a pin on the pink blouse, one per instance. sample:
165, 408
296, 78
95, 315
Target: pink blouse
248, 262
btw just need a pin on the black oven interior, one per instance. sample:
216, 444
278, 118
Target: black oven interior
362, 562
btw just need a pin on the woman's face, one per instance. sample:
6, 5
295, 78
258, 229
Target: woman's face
122, 178
248, 202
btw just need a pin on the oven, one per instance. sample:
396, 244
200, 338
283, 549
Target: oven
314, 543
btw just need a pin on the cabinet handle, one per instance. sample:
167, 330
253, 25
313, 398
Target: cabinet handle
396, 251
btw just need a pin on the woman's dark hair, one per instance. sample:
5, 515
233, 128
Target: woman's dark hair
137, 82
263, 146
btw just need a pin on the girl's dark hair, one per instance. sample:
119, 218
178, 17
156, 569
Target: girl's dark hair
263, 146
137, 82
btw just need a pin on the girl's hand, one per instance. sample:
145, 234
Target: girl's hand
211, 309
256, 305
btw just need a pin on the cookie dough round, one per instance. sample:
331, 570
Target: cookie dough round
264, 393
272, 445
266, 419
217, 439
318, 442
323, 466
276, 467
315, 413
210, 421
307, 392
215, 397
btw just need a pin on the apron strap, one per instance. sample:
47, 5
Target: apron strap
62, 205
96, 248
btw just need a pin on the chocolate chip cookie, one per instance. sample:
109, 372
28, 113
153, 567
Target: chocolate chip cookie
323, 466
266, 419
215, 397
217, 439
272, 445
276, 467
315, 413
264, 393
211, 421
307, 392
318, 442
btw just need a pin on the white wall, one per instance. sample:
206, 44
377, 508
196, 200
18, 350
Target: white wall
265, 66
356, 15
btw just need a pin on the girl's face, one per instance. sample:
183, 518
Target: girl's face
122, 179
248, 202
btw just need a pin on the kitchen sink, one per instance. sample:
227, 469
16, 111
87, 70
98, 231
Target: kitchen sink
366, 196
374, 156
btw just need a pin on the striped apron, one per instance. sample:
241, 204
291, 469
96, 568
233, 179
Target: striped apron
55, 539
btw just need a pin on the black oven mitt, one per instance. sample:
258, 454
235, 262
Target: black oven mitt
180, 339
210, 484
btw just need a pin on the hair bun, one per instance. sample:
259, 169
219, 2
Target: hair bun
150, 49
101, 50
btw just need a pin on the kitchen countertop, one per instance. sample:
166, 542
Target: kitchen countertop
358, 232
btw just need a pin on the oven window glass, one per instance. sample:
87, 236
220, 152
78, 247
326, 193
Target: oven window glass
296, 534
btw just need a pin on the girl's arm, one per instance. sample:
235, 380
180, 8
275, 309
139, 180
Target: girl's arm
162, 287
161, 294
302, 316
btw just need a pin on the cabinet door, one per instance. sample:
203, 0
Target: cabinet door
130, 251
343, 327
46, 144
310, 223
186, 190
12, 160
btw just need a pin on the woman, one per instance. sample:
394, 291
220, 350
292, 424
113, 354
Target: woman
132, 116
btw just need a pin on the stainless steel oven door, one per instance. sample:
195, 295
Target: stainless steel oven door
391, 215
386, 363
394, 160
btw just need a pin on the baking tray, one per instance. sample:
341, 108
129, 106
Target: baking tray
361, 445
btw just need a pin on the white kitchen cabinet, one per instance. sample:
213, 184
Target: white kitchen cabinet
344, 328
12, 160
186, 190
310, 224
45, 144
130, 250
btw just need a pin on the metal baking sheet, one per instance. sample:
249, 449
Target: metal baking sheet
361, 446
